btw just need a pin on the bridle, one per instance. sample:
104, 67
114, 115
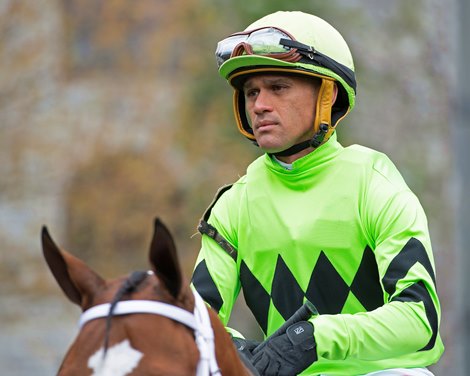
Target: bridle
198, 321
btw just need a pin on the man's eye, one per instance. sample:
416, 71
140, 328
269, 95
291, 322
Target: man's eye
278, 87
251, 92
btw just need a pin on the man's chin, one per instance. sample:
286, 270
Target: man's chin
273, 148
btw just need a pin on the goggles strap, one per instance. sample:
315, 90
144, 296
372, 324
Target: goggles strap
321, 60
241, 48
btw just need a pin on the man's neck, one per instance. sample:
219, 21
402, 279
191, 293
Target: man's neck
289, 159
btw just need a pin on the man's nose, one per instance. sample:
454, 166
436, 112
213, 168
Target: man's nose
263, 102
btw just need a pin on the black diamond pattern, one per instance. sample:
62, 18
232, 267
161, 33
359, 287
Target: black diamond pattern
366, 284
412, 252
419, 293
256, 297
206, 287
286, 294
326, 289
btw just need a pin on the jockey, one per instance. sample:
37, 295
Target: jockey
313, 220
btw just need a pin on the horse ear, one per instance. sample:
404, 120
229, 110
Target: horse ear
73, 275
164, 258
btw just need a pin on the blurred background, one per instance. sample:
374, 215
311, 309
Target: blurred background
112, 113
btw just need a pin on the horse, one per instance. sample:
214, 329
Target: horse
149, 323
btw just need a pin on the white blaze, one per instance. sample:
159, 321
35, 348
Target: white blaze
120, 360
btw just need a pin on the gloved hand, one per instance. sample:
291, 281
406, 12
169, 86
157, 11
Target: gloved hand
245, 346
289, 353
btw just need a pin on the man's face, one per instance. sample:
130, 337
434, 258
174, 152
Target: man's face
281, 109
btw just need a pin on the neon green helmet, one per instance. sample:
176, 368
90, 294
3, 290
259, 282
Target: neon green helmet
292, 43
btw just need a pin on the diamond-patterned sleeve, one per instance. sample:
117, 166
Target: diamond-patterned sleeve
216, 276
395, 226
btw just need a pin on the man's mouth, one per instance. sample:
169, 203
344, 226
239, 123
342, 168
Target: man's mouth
264, 124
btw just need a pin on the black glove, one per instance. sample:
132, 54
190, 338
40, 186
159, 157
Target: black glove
289, 353
245, 346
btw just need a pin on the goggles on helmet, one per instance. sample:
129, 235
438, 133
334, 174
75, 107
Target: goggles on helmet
278, 44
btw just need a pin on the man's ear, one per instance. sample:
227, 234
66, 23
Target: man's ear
335, 93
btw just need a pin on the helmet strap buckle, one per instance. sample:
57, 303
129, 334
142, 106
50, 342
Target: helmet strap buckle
318, 138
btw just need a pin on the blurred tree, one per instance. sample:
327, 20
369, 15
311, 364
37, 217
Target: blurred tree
112, 200
119, 36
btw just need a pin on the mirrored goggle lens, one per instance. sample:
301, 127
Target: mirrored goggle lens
264, 41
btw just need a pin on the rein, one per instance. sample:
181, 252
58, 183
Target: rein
198, 321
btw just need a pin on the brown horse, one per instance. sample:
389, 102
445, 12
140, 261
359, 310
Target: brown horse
150, 323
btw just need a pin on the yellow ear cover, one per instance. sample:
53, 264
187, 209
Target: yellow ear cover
324, 104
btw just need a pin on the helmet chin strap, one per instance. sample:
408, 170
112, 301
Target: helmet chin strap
315, 142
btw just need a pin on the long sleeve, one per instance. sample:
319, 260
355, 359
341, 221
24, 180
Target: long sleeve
409, 319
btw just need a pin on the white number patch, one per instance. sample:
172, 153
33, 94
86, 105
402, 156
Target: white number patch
120, 360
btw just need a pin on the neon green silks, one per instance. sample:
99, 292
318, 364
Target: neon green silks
343, 230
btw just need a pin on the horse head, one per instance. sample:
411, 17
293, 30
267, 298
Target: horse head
145, 324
